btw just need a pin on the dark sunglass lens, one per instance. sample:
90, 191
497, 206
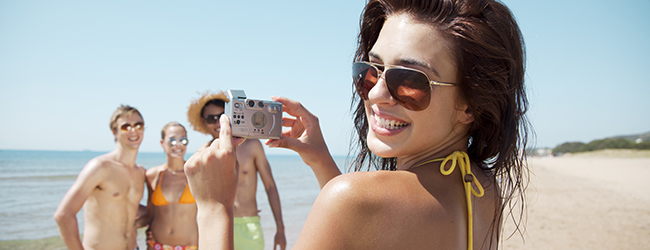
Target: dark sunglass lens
125, 127
211, 119
365, 77
410, 88
184, 141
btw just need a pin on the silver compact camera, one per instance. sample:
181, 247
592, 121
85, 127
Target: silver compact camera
251, 118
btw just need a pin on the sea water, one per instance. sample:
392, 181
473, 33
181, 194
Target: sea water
32, 183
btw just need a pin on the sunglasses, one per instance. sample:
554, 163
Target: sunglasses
183, 141
212, 119
137, 126
411, 88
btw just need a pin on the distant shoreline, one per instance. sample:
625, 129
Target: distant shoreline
611, 153
291, 153
49, 243
605, 153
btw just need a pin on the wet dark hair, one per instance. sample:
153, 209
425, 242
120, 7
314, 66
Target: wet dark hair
488, 49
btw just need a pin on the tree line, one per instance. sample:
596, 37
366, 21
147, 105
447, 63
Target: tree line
609, 143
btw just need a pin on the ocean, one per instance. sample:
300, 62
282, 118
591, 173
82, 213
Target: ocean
32, 183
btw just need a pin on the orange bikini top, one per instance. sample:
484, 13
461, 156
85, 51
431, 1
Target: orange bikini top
158, 199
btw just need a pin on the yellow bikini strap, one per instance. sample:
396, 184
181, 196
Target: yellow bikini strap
466, 174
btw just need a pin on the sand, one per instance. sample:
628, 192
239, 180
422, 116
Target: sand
51, 243
592, 201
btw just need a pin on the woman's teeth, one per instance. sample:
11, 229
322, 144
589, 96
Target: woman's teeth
389, 124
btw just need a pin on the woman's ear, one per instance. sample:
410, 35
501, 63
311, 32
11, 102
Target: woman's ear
162, 142
466, 115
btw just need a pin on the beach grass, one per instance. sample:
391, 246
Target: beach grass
51, 243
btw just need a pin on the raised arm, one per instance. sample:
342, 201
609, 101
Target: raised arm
66, 214
212, 174
305, 137
266, 175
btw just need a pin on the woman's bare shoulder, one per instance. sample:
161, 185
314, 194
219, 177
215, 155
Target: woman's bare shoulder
342, 211
152, 173
375, 190
377, 210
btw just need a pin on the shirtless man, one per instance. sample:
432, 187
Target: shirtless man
109, 188
204, 115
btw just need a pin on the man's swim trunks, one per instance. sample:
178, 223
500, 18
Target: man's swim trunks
158, 246
248, 233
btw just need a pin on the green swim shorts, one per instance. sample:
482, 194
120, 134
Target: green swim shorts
248, 233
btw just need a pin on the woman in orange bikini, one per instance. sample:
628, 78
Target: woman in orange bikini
171, 207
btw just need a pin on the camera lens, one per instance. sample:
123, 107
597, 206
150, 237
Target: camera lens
251, 103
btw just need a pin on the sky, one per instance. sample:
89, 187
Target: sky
65, 66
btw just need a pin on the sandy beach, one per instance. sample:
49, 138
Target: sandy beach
588, 201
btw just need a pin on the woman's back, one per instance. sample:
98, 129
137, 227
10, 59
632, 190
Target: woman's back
414, 209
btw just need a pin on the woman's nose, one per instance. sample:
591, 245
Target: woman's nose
379, 94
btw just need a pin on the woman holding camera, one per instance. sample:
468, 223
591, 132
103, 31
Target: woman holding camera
440, 105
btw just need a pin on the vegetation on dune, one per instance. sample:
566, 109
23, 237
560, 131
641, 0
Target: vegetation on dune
627, 142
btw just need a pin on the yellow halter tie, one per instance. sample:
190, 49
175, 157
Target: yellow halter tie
466, 173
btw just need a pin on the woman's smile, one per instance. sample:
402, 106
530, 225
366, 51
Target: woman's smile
387, 126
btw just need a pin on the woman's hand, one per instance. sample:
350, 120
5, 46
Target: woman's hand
212, 172
212, 175
305, 137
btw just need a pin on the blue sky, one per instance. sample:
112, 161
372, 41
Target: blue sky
66, 65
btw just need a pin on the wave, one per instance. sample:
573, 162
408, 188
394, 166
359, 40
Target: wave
39, 177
